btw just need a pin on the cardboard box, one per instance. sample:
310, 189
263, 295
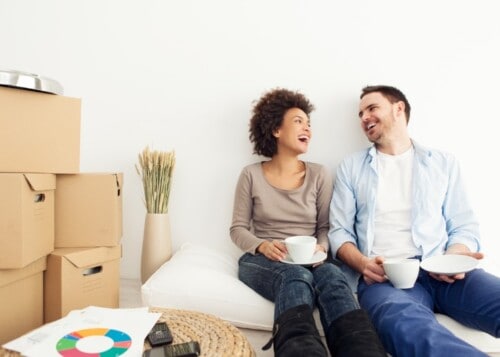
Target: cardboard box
88, 210
40, 132
79, 277
21, 300
26, 218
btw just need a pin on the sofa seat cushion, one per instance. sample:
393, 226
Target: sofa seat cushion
204, 279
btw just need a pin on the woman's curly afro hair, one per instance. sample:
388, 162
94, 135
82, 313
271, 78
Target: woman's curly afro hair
268, 115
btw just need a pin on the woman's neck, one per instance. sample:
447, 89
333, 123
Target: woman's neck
285, 165
286, 173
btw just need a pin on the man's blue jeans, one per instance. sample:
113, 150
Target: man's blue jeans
405, 319
290, 285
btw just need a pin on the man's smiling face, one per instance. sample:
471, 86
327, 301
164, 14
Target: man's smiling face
378, 116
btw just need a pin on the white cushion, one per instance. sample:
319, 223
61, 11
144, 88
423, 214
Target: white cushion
479, 339
206, 280
203, 279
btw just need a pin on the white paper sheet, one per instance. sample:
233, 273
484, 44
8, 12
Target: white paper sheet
120, 332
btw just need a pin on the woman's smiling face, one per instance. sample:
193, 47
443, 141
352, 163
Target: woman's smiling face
294, 134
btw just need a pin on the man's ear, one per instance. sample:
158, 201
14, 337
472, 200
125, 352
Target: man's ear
399, 108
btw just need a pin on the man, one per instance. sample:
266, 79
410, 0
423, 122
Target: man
398, 199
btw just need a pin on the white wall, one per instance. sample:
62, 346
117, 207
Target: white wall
183, 74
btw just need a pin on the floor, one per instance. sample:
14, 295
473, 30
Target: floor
130, 296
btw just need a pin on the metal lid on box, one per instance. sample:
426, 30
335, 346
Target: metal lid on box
31, 81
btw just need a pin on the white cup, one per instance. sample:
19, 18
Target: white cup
301, 248
402, 273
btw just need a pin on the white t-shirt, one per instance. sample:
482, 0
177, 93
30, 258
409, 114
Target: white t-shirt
393, 237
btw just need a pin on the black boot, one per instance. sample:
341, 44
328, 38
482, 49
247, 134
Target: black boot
295, 334
353, 334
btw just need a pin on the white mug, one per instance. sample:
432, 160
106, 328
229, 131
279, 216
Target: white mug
301, 248
402, 273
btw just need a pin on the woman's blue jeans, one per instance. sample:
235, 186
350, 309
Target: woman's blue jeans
289, 285
405, 319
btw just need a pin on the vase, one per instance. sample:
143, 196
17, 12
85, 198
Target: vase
156, 244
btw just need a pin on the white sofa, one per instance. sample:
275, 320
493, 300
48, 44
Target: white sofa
205, 279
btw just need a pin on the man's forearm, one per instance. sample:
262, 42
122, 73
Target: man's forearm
351, 256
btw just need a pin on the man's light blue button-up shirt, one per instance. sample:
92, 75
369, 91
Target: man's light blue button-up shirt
441, 214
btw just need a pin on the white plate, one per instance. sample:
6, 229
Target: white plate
450, 264
318, 257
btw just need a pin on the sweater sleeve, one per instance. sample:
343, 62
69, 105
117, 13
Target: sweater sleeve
325, 189
242, 214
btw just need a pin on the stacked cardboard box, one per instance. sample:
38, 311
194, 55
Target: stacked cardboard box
84, 268
41, 278
21, 297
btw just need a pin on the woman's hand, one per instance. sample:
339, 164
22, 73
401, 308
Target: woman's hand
320, 248
273, 250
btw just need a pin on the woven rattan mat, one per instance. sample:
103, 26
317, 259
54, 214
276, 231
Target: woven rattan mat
217, 338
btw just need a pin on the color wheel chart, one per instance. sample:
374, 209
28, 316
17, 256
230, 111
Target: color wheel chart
94, 342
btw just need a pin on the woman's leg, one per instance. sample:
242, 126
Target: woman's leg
287, 285
348, 329
335, 298
291, 288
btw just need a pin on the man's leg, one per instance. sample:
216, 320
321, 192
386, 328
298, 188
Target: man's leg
406, 323
473, 301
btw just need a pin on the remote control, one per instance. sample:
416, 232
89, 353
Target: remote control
160, 335
186, 349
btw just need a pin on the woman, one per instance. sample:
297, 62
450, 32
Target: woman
284, 197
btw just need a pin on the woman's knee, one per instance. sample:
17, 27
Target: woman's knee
329, 268
329, 272
297, 273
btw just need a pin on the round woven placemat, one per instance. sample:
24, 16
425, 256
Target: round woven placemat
217, 338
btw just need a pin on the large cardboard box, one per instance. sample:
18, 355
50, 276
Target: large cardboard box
79, 277
26, 218
88, 210
40, 132
21, 300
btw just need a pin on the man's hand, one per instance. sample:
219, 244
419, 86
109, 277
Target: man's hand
372, 270
457, 249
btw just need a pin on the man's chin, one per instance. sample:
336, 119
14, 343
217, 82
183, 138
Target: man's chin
373, 139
